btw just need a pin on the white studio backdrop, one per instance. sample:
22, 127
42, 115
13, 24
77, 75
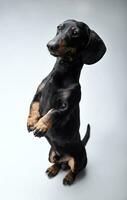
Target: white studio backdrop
25, 28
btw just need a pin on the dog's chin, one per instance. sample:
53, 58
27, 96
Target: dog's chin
54, 54
63, 54
57, 54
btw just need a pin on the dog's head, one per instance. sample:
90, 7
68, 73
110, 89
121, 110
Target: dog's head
76, 38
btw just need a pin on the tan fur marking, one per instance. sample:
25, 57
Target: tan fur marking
44, 123
47, 119
65, 158
71, 163
62, 44
33, 115
52, 157
34, 108
53, 170
69, 178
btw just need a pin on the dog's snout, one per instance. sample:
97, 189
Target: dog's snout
52, 46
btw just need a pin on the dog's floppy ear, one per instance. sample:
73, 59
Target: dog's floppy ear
94, 49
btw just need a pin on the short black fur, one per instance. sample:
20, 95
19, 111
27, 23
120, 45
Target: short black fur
54, 111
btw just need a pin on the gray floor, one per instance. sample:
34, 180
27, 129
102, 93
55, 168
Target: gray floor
25, 28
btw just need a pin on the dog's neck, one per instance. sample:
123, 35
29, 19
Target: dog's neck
66, 66
72, 58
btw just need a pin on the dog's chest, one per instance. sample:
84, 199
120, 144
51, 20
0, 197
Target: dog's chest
52, 94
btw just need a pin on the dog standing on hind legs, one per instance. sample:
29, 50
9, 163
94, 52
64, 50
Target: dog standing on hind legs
54, 111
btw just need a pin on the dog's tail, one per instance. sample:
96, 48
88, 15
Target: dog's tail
87, 135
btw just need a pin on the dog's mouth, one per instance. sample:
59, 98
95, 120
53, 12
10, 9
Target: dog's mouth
56, 54
68, 51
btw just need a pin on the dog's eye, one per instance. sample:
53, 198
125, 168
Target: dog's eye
75, 33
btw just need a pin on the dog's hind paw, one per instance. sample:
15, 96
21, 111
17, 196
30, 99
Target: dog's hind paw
69, 178
53, 170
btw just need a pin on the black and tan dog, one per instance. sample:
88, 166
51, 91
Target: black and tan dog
54, 111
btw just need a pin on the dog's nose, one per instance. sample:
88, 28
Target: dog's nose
52, 46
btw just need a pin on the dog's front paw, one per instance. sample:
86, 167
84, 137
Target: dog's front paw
31, 121
40, 128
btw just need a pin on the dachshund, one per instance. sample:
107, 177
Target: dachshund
54, 112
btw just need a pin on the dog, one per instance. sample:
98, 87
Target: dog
54, 111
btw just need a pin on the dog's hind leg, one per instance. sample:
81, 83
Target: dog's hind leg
70, 177
76, 163
55, 168
75, 168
